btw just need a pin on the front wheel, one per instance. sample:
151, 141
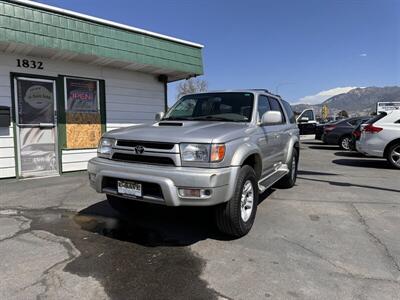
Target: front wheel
393, 156
236, 217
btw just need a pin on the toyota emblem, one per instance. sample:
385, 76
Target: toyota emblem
139, 149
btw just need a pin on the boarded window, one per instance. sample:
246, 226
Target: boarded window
83, 119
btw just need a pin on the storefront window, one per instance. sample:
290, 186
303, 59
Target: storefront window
82, 95
83, 119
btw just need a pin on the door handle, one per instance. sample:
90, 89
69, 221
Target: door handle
46, 125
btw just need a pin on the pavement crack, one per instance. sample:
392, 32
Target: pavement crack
23, 227
345, 272
376, 239
314, 253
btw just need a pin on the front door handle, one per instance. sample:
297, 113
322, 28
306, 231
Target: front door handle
46, 125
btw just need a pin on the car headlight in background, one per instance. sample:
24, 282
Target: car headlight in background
105, 147
202, 152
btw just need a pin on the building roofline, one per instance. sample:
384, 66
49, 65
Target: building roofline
104, 22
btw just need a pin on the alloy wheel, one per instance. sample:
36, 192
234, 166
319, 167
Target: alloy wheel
346, 143
395, 155
247, 201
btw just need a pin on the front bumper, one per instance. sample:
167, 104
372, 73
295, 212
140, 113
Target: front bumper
220, 181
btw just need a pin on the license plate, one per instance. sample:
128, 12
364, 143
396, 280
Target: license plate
130, 188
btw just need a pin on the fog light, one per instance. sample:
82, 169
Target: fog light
194, 193
92, 177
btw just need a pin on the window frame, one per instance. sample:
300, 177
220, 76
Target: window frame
98, 94
290, 119
284, 118
258, 102
62, 104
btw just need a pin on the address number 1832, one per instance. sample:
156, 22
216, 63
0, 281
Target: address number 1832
29, 64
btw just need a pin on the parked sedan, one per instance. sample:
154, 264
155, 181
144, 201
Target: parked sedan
340, 133
381, 137
319, 129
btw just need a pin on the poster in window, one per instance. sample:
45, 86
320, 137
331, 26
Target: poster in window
35, 102
83, 121
82, 95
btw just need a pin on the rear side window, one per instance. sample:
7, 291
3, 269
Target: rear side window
275, 106
354, 122
289, 112
376, 118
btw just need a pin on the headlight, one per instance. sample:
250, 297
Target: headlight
202, 152
104, 148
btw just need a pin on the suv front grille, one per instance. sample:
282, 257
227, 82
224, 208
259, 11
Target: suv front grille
145, 144
145, 159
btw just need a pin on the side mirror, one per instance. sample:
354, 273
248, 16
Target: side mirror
304, 120
159, 116
271, 117
5, 120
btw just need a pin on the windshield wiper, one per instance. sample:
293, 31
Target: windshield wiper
214, 118
177, 119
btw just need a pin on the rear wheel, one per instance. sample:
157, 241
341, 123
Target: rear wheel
289, 180
236, 217
393, 155
345, 142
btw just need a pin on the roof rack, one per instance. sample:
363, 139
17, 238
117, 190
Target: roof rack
267, 91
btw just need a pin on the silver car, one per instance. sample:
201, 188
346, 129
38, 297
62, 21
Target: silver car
211, 149
380, 137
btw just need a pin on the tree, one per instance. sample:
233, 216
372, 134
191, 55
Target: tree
192, 85
325, 112
343, 114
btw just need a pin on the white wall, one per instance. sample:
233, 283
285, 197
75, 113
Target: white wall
131, 98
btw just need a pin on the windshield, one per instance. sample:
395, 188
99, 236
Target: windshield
227, 107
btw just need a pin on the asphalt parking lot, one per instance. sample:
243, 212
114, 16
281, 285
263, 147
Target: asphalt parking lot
335, 235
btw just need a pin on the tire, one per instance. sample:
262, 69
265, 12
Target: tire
344, 142
289, 180
230, 218
393, 156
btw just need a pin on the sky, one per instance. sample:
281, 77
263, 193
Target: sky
306, 51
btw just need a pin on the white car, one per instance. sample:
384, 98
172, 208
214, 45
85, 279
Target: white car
380, 137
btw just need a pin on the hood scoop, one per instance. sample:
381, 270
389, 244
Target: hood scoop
170, 124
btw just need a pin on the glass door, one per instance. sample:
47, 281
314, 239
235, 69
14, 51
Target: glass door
35, 103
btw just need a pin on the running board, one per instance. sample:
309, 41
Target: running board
268, 181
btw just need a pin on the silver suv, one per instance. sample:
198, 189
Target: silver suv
217, 149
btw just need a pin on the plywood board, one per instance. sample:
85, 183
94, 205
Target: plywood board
83, 130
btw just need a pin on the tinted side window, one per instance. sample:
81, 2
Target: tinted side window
263, 105
275, 106
354, 122
289, 112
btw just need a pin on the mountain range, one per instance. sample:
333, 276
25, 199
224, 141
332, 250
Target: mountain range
358, 101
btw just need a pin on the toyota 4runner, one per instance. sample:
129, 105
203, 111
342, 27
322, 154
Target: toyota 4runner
217, 149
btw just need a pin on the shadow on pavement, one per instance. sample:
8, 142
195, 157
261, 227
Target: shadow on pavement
150, 224
349, 154
153, 225
363, 163
324, 147
346, 184
305, 172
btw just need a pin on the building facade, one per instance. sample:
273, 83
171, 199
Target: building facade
66, 78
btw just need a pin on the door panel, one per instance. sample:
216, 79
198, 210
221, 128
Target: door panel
269, 143
36, 126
